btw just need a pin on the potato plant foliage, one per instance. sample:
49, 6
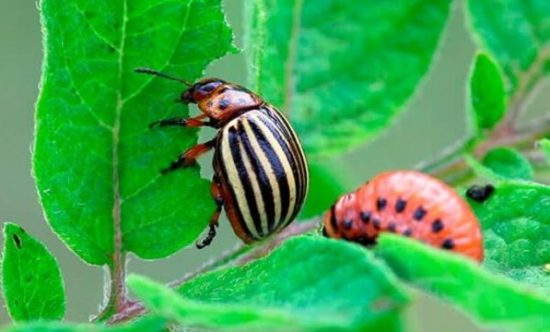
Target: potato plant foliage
341, 72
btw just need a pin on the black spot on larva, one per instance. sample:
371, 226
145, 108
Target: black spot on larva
325, 234
392, 227
419, 213
448, 244
347, 224
224, 103
365, 216
400, 205
437, 226
381, 203
376, 223
222, 90
17, 241
408, 232
209, 103
480, 193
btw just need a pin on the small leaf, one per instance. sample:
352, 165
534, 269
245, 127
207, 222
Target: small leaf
32, 283
545, 147
516, 34
494, 301
340, 70
508, 163
516, 230
326, 185
149, 324
312, 282
96, 163
487, 94
169, 304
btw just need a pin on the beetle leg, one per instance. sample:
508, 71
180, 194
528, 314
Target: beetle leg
189, 157
218, 199
182, 122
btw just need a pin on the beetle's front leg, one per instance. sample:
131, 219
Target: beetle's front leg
183, 122
218, 199
189, 157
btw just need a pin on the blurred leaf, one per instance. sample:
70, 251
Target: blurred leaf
325, 186
545, 147
95, 161
517, 34
496, 167
31, 280
508, 163
487, 94
313, 282
169, 304
149, 324
516, 231
493, 300
340, 70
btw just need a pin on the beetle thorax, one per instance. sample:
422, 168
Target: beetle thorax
228, 101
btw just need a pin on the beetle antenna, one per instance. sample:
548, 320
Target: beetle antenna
160, 74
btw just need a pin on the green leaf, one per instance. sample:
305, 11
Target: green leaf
517, 34
487, 94
508, 163
340, 86
32, 283
493, 300
545, 147
312, 282
149, 323
97, 165
516, 231
169, 304
326, 185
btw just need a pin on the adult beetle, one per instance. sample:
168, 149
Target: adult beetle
260, 171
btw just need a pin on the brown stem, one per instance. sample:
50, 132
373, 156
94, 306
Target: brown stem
522, 139
529, 83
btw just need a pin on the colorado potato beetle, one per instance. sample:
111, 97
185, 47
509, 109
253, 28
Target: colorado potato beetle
260, 172
410, 203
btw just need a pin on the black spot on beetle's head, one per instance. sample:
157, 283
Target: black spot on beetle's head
480, 193
224, 103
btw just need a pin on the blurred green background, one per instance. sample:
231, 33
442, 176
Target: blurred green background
434, 119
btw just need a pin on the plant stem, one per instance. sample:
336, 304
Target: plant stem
521, 139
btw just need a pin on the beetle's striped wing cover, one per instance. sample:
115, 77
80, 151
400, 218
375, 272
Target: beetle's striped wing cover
263, 172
